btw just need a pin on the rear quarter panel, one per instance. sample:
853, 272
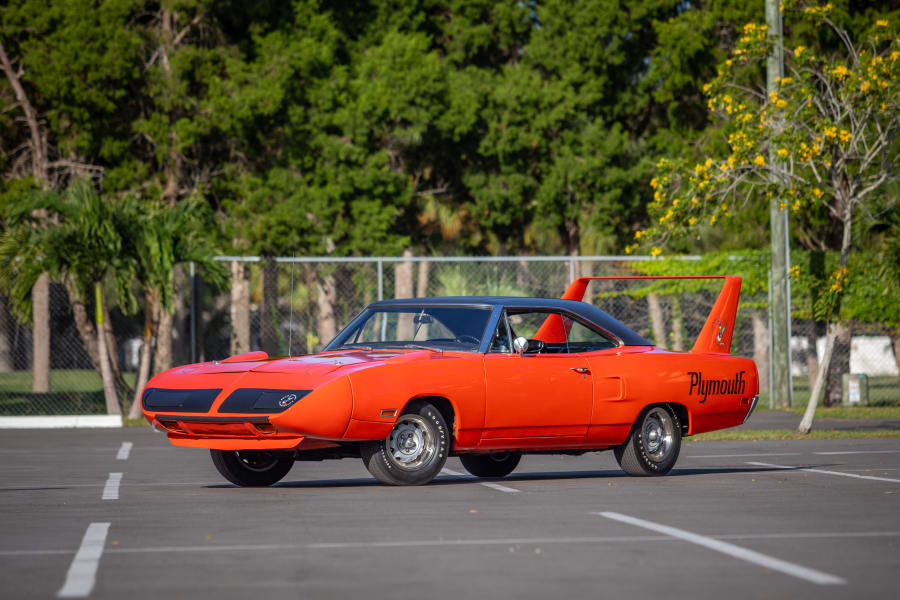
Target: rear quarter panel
715, 389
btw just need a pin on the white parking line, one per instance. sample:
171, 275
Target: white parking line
858, 452
83, 572
111, 489
742, 455
464, 542
124, 450
738, 552
493, 486
824, 472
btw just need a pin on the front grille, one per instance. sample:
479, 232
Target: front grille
195, 401
254, 400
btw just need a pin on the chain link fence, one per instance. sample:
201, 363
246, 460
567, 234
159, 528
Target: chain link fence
296, 305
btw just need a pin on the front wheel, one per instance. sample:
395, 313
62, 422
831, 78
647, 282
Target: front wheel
653, 445
414, 452
495, 464
252, 468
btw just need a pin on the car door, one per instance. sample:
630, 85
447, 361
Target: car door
549, 393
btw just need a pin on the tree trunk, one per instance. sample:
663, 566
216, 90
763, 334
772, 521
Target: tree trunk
6, 362
807, 420
162, 357
181, 334
817, 270
422, 279
840, 364
677, 326
123, 390
109, 390
37, 142
86, 330
657, 322
268, 314
240, 309
143, 375
522, 275
812, 355
40, 337
761, 348
403, 288
832, 331
326, 294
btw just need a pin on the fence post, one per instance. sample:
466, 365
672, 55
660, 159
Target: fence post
771, 341
193, 313
380, 279
571, 269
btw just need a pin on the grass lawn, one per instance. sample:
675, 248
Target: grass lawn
61, 380
73, 391
884, 401
789, 434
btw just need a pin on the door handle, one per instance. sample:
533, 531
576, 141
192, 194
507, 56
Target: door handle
582, 370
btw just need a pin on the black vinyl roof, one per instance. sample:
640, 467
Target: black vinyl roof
588, 312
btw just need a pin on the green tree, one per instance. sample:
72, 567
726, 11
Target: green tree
160, 239
832, 123
85, 245
66, 67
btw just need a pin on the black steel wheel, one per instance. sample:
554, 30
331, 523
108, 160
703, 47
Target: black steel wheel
495, 464
414, 452
252, 468
653, 445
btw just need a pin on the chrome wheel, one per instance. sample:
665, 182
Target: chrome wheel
659, 433
653, 445
411, 443
415, 450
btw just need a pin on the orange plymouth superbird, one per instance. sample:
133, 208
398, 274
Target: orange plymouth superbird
409, 382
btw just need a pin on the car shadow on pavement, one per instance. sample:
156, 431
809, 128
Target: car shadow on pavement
538, 476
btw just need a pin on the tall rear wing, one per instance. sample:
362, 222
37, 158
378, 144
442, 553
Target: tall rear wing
719, 326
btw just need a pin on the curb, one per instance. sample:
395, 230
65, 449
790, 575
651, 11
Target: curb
60, 421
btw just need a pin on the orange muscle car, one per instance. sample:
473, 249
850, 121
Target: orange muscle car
410, 382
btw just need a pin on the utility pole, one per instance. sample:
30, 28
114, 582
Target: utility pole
780, 285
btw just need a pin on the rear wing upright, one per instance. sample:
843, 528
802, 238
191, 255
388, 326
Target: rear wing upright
719, 327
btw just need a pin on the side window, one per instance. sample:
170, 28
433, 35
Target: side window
501, 341
584, 339
546, 326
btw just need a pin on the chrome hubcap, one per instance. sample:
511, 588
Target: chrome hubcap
658, 434
411, 444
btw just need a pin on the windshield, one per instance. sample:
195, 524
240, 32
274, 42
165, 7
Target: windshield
434, 327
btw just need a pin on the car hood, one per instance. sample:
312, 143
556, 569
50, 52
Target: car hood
316, 365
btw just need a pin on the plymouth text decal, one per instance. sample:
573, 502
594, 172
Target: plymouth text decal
704, 387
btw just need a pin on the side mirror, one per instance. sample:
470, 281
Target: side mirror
520, 344
525, 346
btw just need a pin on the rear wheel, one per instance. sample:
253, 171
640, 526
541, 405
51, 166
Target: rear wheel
414, 452
653, 445
495, 464
252, 468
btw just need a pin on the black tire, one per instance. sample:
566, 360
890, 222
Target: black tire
495, 464
653, 444
414, 452
252, 468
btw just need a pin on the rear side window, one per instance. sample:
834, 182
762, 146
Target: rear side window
584, 339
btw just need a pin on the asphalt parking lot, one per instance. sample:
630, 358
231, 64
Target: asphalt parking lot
121, 513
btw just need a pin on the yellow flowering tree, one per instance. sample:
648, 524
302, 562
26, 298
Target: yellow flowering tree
826, 136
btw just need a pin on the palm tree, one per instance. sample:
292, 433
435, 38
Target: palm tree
82, 243
164, 237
